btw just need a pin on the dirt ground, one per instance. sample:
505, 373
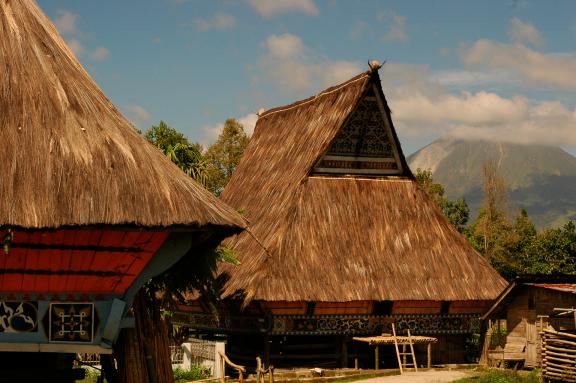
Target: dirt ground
431, 376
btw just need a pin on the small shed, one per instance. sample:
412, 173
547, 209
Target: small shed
521, 312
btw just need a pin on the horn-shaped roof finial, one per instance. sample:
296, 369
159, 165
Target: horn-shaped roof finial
374, 65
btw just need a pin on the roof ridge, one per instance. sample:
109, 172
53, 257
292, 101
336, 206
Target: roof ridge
308, 100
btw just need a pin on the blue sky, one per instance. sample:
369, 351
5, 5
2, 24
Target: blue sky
483, 69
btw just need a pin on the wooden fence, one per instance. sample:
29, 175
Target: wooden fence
558, 356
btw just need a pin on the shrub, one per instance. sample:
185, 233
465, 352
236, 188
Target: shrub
196, 372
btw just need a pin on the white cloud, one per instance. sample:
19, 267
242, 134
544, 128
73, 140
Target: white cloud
138, 115
522, 32
66, 22
219, 21
462, 77
271, 8
397, 31
249, 122
76, 46
211, 132
284, 46
295, 69
482, 108
529, 66
421, 107
100, 54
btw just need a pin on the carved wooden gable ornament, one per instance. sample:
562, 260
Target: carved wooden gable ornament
365, 144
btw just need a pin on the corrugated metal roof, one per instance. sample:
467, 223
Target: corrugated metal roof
564, 287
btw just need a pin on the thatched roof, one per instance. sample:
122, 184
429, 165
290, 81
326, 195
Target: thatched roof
322, 233
67, 155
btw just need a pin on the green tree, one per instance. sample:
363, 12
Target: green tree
224, 155
503, 242
491, 225
457, 211
179, 150
551, 251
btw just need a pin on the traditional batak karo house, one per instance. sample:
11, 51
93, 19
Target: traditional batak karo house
89, 210
342, 240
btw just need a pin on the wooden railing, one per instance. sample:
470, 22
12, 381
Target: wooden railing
240, 369
260, 370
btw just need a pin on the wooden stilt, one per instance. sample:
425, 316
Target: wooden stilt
377, 357
267, 346
344, 352
429, 354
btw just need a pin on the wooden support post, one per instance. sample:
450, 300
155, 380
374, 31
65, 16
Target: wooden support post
267, 346
344, 352
223, 364
377, 357
356, 363
429, 352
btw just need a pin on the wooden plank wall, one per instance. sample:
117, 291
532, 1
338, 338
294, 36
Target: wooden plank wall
523, 312
466, 307
285, 308
320, 308
356, 307
416, 307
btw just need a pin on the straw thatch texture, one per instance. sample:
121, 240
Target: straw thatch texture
67, 156
318, 238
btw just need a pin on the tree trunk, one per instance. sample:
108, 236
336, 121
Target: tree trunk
143, 353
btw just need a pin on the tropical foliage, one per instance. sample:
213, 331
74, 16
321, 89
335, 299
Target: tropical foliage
513, 246
457, 211
211, 168
179, 150
224, 155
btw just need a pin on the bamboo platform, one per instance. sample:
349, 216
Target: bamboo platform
389, 340
395, 340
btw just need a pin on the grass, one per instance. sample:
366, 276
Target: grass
180, 375
504, 376
195, 373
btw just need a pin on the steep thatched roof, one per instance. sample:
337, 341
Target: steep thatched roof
332, 225
67, 156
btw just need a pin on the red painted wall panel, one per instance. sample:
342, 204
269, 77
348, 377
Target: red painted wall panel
76, 261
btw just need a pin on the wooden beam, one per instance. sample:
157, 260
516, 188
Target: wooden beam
377, 357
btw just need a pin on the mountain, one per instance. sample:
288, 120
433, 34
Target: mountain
540, 179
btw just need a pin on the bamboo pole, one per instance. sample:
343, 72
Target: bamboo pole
562, 334
561, 355
552, 365
561, 349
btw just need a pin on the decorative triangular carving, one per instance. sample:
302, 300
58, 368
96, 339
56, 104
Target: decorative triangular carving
365, 144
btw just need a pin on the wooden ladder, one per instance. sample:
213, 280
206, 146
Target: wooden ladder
402, 362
